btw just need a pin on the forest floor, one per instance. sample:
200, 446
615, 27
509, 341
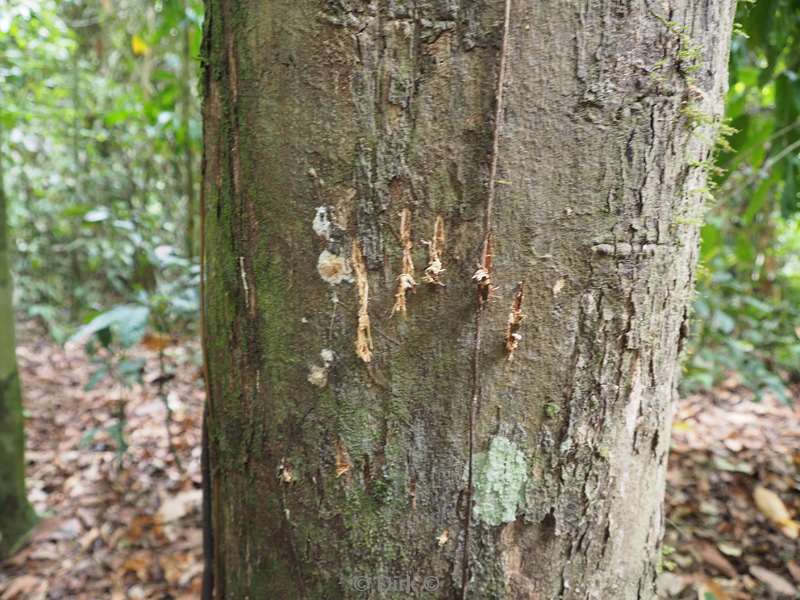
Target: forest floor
129, 527
733, 488
111, 526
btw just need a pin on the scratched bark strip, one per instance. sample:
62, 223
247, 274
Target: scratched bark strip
323, 121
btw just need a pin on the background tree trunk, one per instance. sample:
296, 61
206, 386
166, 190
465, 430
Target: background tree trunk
323, 122
189, 85
16, 515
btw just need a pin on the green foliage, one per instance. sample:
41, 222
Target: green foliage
128, 321
748, 304
101, 137
107, 338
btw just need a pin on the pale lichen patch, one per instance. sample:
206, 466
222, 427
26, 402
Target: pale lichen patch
318, 376
333, 268
441, 540
326, 354
500, 478
322, 223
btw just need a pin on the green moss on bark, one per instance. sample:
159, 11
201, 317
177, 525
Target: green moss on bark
16, 515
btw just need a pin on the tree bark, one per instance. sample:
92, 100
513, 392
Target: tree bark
189, 84
16, 515
342, 131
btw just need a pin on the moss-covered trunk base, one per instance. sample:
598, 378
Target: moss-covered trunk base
17, 517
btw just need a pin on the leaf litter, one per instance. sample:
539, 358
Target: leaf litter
110, 527
733, 498
131, 528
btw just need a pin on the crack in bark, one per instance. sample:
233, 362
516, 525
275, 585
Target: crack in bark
481, 304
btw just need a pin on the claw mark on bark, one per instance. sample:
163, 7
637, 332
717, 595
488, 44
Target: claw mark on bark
515, 317
406, 281
434, 269
364, 333
249, 293
245, 287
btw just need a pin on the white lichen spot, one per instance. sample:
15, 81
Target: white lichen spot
327, 356
334, 268
318, 376
558, 286
322, 223
500, 476
285, 473
245, 287
442, 539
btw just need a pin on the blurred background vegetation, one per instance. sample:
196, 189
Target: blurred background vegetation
747, 310
100, 142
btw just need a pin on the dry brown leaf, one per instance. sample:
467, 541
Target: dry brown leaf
716, 589
729, 549
88, 538
794, 569
142, 524
773, 580
772, 507
156, 341
192, 575
139, 563
669, 584
712, 556
22, 587
46, 551
175, 565
180, 505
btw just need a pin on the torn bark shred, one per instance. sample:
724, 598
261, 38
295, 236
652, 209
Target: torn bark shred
364, 333
483, 275
515, 317
434, 270
406, 280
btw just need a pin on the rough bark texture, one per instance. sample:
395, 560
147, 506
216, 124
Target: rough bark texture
323, 121
16, 515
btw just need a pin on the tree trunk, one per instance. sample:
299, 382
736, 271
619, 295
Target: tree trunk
189, 84
357, 451
16, 515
